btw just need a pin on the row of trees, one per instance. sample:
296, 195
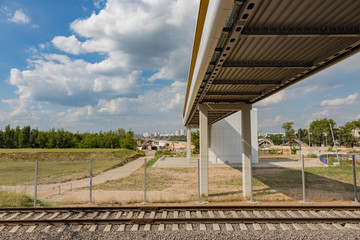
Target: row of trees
319, 130
27, 137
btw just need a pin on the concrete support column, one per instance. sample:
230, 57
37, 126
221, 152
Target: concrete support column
246, 152
188, 146
204, 159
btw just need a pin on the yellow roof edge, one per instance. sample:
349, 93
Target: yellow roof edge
198, 33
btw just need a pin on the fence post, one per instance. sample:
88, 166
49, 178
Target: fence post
144, 202
35, 187
303, 179
90, 181
354, 172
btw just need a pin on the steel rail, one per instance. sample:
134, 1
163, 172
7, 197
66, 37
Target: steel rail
183, 220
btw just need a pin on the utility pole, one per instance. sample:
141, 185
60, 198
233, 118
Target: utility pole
337, 154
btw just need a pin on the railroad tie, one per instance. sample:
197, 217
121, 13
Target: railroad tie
304, 214
189, 227
46, 229
13, 216
105, 215
284, 226
234, 214
269, 214
94, 215
211, 214
164, 214
315, 214
256, 226
30, 229
297, 227
14, 229
271, 227
245, 214
2, 228
312, 226
130, 215
107, 228
27, 216
61, 229
198, 214
152, 214
66, 215
216, 227
187, 214
229, 227
338, 226
135, 228
339, 214
161, 227
326, 213
202, 227
351, 213
40, 215
176, 214
351, 226
118, 215
222, 214
2, 215
121, 228
147, 227
78, 228
79, 215
243, 227
175, 227
54, 215
326, 226
141, 215
93, 228
291, 213
280, 214
257, 214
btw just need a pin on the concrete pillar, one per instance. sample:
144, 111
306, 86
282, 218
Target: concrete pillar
246, 152
188, 146
203, 125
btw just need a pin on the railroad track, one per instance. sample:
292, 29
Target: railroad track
147, 218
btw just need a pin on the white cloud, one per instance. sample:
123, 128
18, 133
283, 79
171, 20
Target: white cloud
351, 99
132, 38
270, 122
321, 114
273, 99
19, 17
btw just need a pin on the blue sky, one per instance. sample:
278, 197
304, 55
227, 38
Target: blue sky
93, 65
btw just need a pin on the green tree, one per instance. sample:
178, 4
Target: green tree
8, 136
129, 141
195, 140
276, 138
318, 128
24, 137
289, 132
346, 133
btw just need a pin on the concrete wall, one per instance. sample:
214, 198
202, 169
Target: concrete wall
225, 144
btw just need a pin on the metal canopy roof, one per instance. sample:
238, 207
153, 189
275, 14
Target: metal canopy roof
263, 47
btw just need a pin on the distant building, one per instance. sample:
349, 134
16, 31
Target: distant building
356, 133
146, 135
155, 134
177, 133
182, 132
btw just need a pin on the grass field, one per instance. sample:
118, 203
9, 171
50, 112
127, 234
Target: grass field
13, 199
333, 183
58, 165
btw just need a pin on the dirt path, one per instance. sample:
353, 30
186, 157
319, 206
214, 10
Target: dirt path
48, 191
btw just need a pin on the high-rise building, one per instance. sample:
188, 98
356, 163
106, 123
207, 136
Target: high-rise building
182, 132
177, 133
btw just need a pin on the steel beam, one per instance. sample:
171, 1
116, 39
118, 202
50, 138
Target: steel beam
277, 64
301, 32
229, 107
232, 93
245, 82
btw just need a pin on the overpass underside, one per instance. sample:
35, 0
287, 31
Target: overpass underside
245, 51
